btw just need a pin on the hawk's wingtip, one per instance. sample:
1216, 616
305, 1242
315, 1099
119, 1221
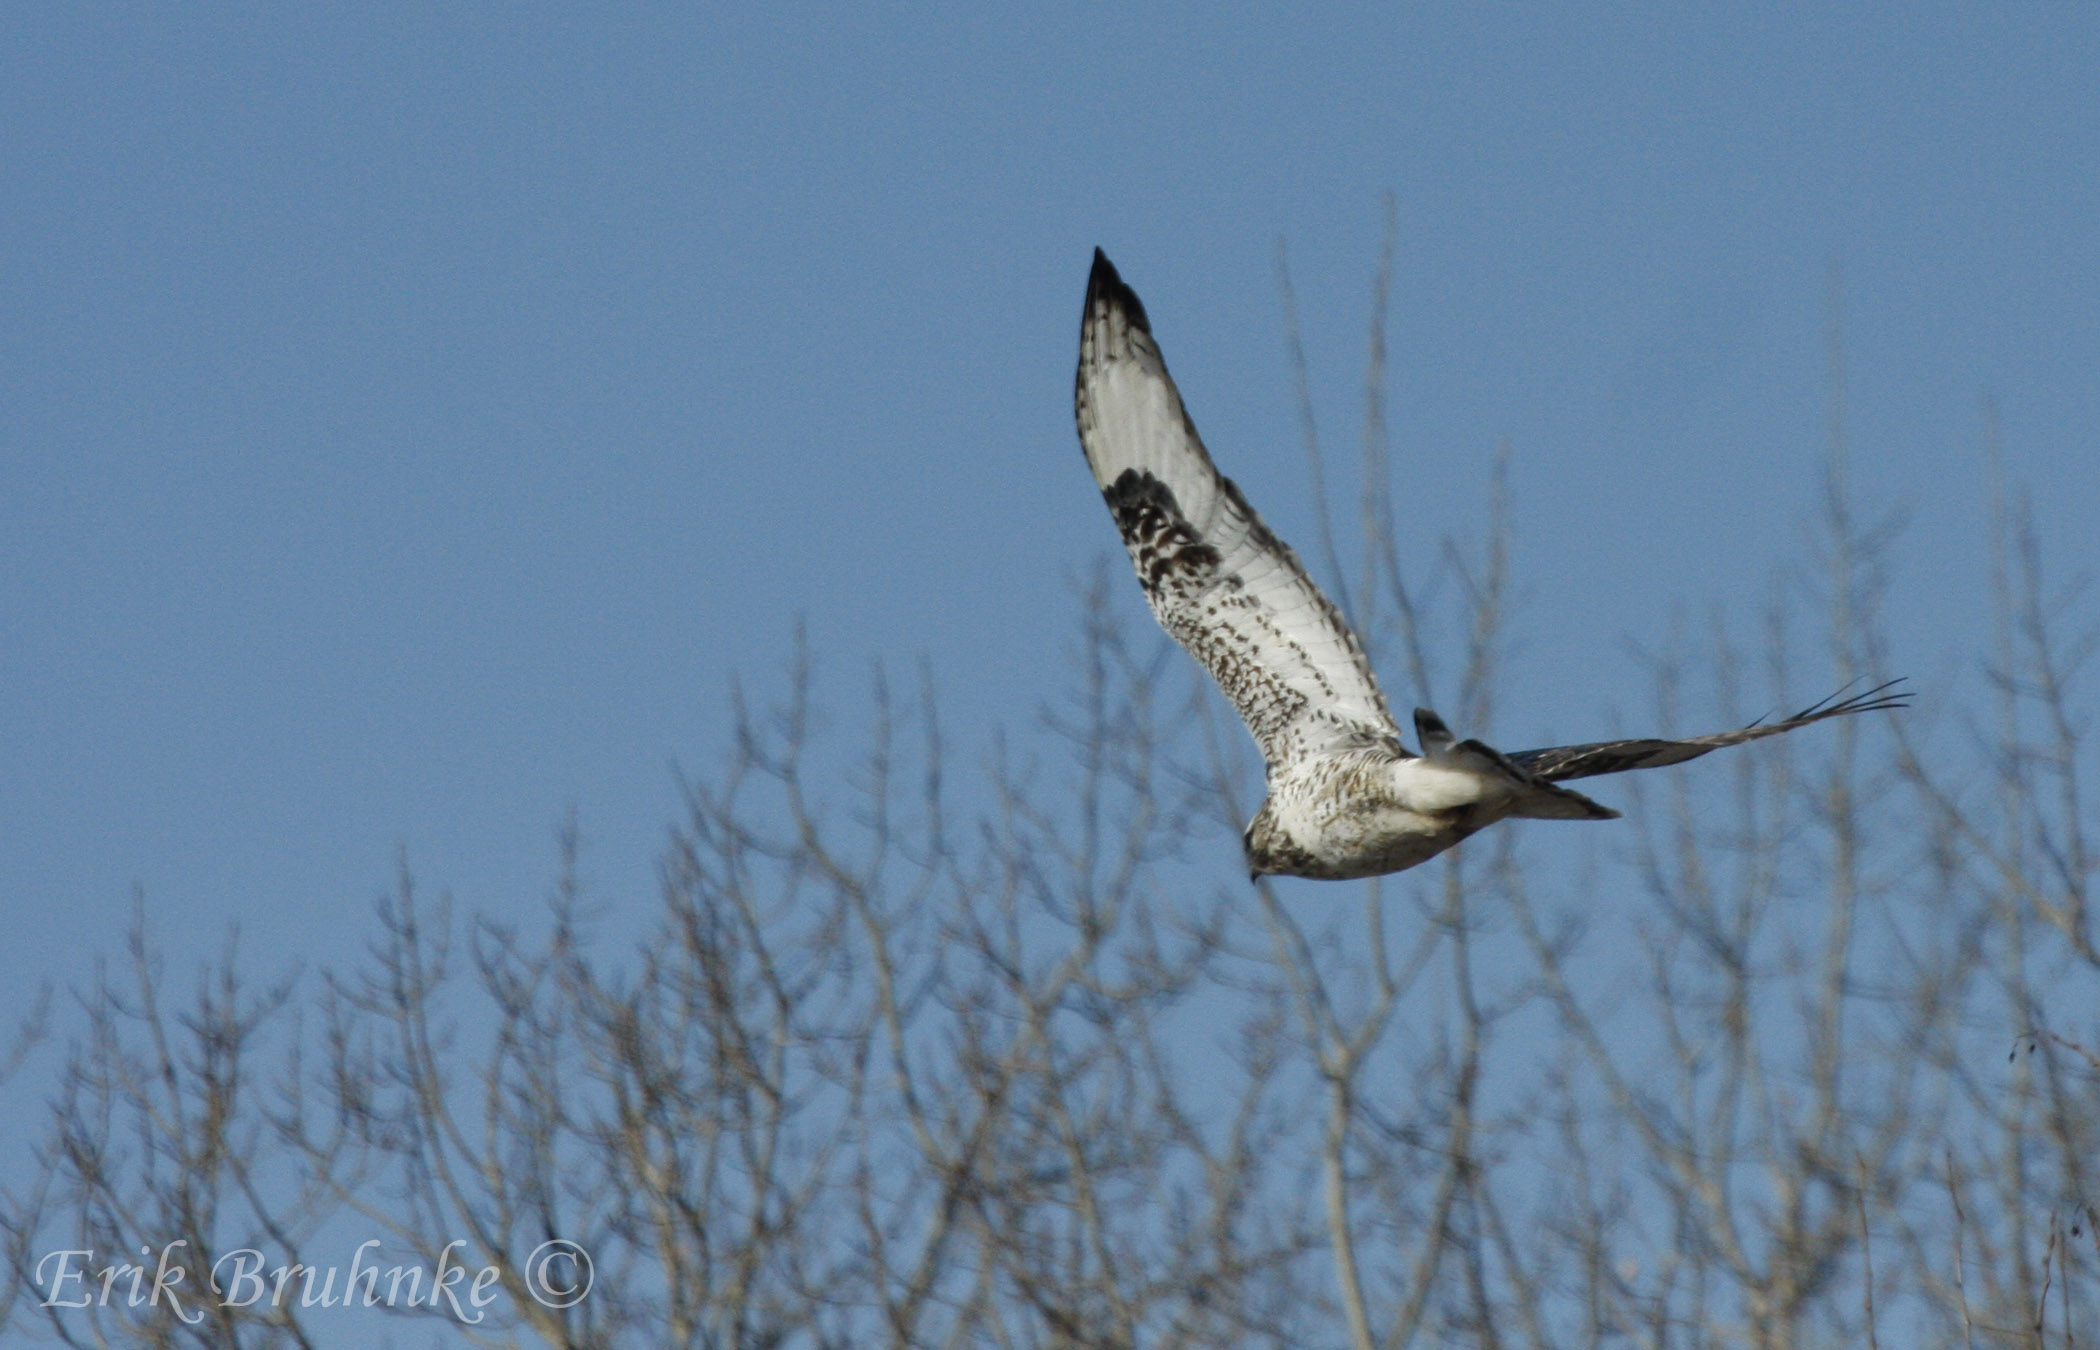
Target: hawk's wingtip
1104, 283
1430, 730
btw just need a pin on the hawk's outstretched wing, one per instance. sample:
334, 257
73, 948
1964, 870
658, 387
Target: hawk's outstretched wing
1221, 584
1584, 761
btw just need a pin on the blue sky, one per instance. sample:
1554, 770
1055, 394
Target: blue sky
416, 415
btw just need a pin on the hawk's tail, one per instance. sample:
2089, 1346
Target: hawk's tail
1541, 800
1532, 797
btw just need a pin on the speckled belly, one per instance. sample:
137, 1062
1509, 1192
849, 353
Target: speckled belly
1389, 842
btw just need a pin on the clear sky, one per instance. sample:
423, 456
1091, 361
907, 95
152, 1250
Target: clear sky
415, 415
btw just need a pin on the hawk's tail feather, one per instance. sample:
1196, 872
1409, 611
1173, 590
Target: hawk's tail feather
1541, 800
1534, 798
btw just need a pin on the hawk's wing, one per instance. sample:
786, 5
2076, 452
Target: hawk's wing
1221, 584
1584, 761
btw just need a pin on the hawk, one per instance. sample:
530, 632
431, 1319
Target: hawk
1346, 798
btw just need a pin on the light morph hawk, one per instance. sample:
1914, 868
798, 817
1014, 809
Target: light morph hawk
1346, 797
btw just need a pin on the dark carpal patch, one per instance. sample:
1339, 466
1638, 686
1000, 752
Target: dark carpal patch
1206, 608
1161, 541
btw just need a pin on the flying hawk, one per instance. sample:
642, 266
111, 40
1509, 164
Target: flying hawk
1346, 798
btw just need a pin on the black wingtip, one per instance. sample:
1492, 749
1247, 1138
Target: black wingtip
1431, 731
1105, 284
